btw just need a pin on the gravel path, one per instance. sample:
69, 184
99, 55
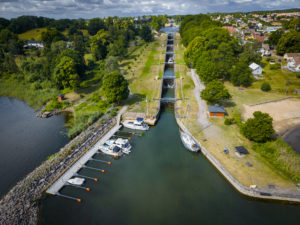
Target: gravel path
199, 86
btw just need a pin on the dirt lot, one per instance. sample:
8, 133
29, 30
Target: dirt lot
285, 113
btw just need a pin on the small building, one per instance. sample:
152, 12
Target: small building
289, 56
216, 111
36, 44
265, 50
294, 64
241, 151
60, 97
256, 70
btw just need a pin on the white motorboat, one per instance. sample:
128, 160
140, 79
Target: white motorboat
136, 125
112, 149
188, 142
171, 60
76, 181
124, 145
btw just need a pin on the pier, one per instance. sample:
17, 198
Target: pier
80, 164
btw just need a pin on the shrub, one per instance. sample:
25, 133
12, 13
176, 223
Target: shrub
259, 128
265, 86
275, 66
229, 121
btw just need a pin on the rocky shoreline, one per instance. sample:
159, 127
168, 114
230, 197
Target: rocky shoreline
20, 205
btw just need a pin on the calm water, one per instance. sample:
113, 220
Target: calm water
293, 139
25, 140
161, 182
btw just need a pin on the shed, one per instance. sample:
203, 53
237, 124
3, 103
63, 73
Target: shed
241, 150
216, 110
60, 97
256, 70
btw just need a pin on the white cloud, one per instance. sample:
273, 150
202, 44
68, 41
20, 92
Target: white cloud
104, 8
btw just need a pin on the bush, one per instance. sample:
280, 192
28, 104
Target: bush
265, 86
298, 75
229, 121
275, 66
259, 128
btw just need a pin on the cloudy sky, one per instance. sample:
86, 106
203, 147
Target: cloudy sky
104, 8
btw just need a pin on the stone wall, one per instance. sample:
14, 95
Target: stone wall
20, 205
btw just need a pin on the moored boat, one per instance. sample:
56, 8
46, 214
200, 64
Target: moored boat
138, 124
113, 150
188, 142
124, 145
76, 181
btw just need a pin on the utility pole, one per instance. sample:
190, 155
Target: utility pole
147, 112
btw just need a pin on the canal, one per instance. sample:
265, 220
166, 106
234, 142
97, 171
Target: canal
25, 140
161, 182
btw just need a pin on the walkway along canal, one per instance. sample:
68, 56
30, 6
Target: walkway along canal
161, 182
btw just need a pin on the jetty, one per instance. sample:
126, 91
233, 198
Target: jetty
80, 163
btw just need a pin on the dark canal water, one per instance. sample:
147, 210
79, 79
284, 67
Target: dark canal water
25, 140
161, 183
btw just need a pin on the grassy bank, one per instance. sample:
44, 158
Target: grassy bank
21, 90
218, 135
142, 66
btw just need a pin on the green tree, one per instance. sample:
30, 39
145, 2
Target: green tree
289, 42
118, 47
215, 92
146, 33
240, 74
275, 37
99, 43
259, 128
115, 87
265, 86
65, 74
51, 35
111, 64
95, 25
250, 53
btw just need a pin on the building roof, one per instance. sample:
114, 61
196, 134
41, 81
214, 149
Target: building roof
254, 66
241, 150
216, 109
34, 42
292, 54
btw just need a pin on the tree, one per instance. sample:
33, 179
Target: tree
99, 43
115, 87
240, 74
259, 128
250, 53
95, 25
118, 47
215, 92
111, 64
265, 86
65, 74
51, 35
146, 33
289, 42
275, 37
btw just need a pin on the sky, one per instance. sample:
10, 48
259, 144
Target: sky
104, 8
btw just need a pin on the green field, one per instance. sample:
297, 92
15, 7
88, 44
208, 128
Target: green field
35, 34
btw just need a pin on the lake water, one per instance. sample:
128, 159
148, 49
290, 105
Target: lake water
160, 183
25, 140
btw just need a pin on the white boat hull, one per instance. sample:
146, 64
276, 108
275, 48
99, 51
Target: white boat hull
188, 142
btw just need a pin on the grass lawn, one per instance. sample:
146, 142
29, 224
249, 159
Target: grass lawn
141, 69
219, 135
35, 34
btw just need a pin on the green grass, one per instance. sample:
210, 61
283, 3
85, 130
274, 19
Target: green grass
279, 79
35, 34
21, 90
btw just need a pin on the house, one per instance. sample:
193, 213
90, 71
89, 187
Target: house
265, 50
216, 111
290, 56
60, 97
293, 61
230, 29
36, 44
256, 70
272, 29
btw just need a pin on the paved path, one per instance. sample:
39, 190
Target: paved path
60, 182
202, 115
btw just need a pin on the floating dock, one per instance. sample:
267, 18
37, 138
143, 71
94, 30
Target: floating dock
72, 171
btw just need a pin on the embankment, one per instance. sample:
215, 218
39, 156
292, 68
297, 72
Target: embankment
20, 205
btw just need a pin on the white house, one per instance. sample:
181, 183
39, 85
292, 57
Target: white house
37, 44
294, 64
256, 70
